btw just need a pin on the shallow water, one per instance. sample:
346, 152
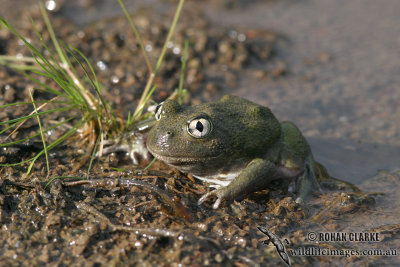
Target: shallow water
352, 161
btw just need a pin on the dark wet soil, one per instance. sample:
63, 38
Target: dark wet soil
152, 217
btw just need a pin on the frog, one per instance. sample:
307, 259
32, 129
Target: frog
236, 146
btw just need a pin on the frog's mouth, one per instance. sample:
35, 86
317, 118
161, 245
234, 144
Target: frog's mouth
182, 162
178, 161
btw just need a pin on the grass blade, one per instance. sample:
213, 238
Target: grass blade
37, 134
93, 154
41, 133
36, 102
182, 75
169, 36
60, 52
34, 115
139, 108
136, 32
55, 143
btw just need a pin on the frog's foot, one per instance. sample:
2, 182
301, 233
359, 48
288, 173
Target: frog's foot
134, 144
307, 183
332, 183
219, 193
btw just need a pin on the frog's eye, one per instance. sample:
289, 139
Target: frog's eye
159, 111
199, 127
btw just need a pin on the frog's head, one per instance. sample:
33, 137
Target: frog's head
187, 138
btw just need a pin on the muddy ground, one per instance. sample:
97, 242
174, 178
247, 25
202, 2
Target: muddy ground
267, 51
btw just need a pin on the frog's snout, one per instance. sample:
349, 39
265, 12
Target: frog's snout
167, 135
160, 139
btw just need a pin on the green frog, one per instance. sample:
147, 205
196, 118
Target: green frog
235, 145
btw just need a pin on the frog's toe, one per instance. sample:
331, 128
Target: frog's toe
210, 194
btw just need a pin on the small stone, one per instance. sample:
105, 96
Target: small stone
218, 258
9, 93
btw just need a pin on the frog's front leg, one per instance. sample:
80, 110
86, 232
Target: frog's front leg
256, 176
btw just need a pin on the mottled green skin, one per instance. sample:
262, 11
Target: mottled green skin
246, 138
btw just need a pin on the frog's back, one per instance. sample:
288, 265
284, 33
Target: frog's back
253, 127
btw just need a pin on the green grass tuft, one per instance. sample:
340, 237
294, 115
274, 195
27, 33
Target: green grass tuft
60, 64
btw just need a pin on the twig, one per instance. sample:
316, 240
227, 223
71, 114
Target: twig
137, 230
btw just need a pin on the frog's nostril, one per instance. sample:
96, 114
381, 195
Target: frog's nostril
169, 133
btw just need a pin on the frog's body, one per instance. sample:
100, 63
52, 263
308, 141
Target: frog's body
236, 145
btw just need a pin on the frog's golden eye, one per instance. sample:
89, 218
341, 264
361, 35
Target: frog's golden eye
159, 111
199, 127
